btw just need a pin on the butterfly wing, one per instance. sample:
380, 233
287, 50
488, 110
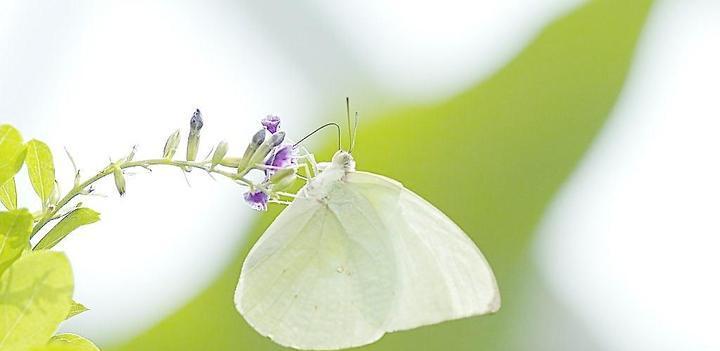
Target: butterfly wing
322, 276
365, 258
442, 274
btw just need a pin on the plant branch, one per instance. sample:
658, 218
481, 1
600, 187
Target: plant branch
183, 165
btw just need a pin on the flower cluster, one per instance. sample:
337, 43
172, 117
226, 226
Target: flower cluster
279, 163
267, 152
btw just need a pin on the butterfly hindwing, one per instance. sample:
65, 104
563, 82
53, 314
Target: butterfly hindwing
443, 275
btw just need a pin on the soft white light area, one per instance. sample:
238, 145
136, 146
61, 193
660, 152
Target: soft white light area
429, 50
98, 77
632, 241
130, 73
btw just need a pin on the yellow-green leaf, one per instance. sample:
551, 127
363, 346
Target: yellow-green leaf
8, 194
12, 152
75, 309
78, 217
68, 342
15, 228
35, 296
41, 170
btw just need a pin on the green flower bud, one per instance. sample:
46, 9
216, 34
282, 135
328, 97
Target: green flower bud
277, 139
231, 162
219, 153
171, 145
255, 143
283, 178
119, 180
196, 123
192, 146
265, 148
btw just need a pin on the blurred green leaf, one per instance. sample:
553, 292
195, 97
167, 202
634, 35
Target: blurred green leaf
8, 194
75, 219
35, 296
68, 342
12, 152
491, 159
41, 169
15, 228
75, 309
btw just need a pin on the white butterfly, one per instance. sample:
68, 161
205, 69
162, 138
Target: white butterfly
356, 255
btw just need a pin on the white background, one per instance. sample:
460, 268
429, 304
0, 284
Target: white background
97, 77
629, 244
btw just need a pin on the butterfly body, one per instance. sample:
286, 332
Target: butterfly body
357, 255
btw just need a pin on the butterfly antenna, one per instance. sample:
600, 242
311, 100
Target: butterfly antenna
354, 135
319, 129
349, 125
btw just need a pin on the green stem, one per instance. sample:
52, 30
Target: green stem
183, 165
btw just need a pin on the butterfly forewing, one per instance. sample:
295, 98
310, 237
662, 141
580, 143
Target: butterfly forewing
321, 277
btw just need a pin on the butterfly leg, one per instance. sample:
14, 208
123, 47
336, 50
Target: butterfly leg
307, 168
290, 195
309, 160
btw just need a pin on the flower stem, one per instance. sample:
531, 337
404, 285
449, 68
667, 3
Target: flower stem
80, 188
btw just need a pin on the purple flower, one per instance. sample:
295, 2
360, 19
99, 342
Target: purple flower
271, 123
284, 156
258, 200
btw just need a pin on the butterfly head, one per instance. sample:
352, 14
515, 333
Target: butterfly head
344, 160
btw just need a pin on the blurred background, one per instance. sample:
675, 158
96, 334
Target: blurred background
575, 141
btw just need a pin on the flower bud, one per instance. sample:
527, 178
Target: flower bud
119, 180
232, 162
255, 143
277, 139
257, 139
171, 145
219, 153
283, 178
196, 123
264, 149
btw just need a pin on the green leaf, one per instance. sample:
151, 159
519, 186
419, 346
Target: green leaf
12, 152
35, 296
41, 170
68, 342
15, 228
75, 309
78, 217
8, 194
